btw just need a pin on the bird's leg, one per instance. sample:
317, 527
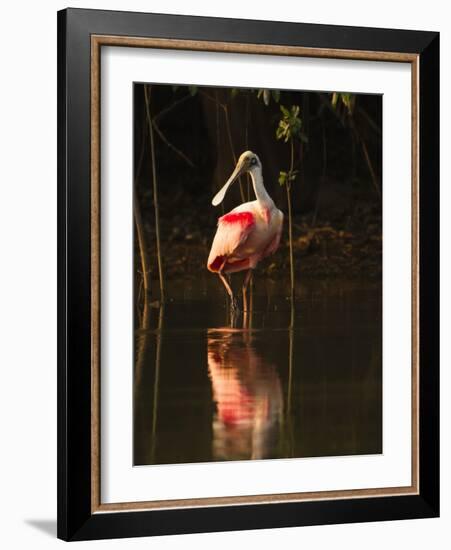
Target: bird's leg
229, 290
247, 278
233, 317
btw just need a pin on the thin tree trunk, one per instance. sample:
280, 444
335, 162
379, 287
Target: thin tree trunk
303, 147
290, 224
366, 154
141, 244
246, 141
229, 134
370, 168
292, 313
165, 140
290, 359
289, 409
142, 341
155, 193
156, 386
323, 174
218, 149
249, 187
232, 150
139, 225
142, 344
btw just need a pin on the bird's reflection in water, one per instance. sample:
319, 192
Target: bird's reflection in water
248, 397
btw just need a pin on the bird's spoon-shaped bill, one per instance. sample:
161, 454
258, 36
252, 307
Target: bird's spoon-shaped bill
219, 197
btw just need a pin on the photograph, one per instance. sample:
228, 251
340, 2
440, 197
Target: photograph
257, 274
248, 273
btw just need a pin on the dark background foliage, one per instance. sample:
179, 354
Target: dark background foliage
198, 133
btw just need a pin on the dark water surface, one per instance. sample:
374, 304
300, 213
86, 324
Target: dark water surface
275, 384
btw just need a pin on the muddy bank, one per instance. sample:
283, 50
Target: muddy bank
347, 244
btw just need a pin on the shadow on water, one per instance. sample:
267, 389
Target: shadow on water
277, 382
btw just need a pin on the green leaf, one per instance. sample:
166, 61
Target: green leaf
292, 175
279, 133
233, 92
347, 99
192, 90
282, 178
334, 100
285, 111
276, 95
290, 124
266, 97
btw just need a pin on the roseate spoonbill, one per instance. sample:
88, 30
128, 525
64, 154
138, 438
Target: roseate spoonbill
249, 232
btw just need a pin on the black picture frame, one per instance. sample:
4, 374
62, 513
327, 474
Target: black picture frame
75, 518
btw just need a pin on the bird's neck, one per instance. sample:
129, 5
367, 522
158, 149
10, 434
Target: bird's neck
259, 189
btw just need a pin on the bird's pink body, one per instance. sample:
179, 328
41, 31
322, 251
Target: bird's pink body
245, 235
248, 233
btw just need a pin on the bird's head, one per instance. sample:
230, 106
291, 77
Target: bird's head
248, 162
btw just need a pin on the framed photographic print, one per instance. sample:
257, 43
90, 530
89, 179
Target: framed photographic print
248, 274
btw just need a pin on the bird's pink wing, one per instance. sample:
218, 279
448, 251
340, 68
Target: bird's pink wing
274, 244
233, 230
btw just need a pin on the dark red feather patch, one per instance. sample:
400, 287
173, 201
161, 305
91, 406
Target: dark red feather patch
217, 263
243, 218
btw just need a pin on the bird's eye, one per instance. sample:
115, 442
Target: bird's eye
254, 161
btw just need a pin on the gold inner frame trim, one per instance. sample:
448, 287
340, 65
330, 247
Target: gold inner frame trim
97, 41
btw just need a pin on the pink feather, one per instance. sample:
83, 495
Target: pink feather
233, 230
